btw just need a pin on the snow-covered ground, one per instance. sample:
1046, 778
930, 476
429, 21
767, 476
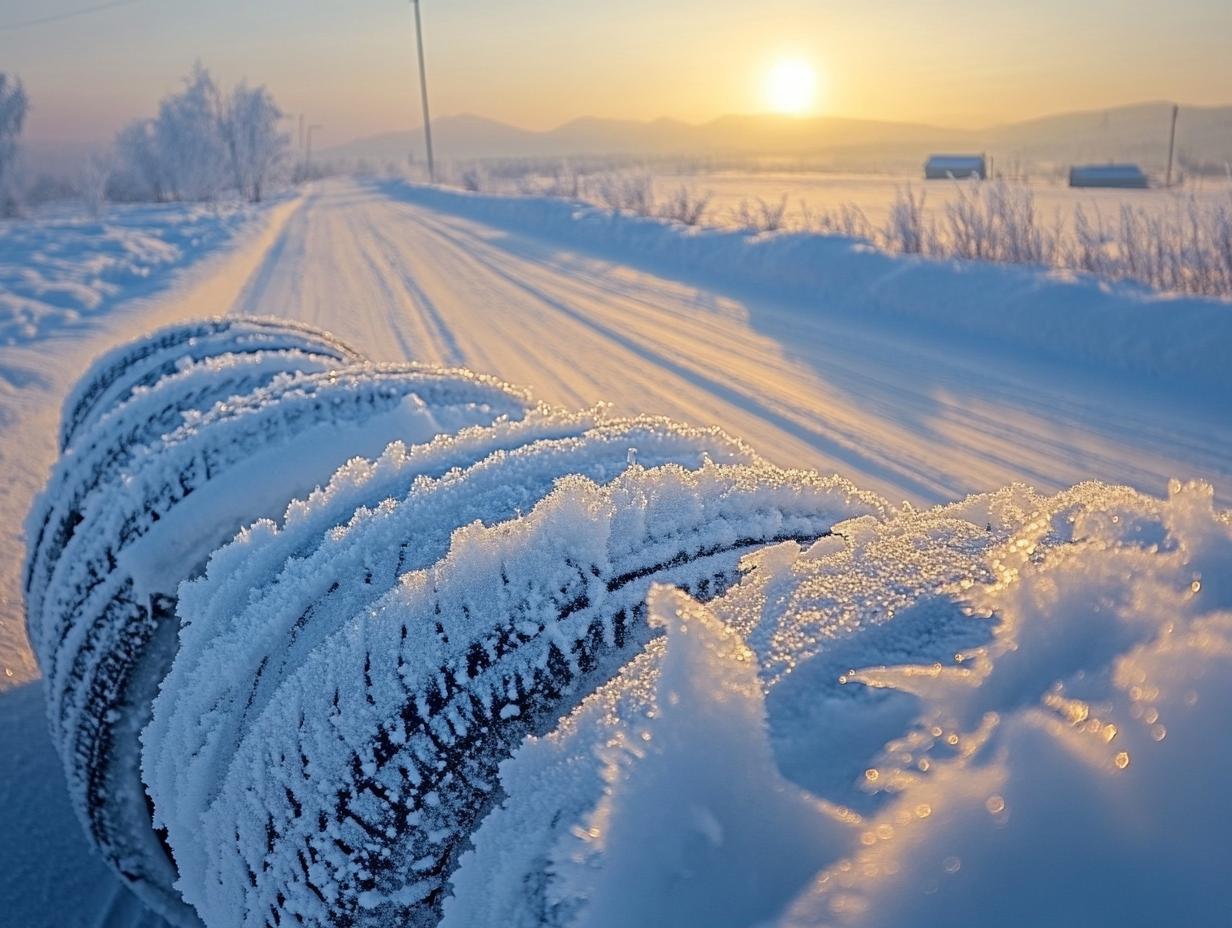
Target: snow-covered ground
920, 380
60, 268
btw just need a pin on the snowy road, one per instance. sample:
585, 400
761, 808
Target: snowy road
908, 416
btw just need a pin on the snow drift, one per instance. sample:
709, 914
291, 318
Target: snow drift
335, 643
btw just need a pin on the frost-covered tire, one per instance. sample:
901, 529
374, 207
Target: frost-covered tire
104, 625
309, 731
273, 595
105, 447
353, 789
113, 377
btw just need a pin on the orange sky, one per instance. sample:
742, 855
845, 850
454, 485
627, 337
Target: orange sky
537, 63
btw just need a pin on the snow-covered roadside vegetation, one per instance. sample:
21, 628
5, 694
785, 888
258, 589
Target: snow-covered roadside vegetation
181, 183
203, 145
1181, 246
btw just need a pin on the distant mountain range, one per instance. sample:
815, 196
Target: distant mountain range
1134, 133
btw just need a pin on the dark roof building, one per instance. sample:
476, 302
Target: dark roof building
1107, 175
941, 167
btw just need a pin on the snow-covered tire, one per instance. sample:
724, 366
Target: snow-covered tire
109, 443
142, 362
272, 596
346, 794
103, 622
308, 730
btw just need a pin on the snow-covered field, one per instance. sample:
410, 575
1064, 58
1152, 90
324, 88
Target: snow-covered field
919, 380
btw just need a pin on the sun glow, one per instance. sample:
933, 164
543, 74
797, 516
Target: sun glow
791, 86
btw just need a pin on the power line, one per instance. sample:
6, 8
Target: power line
69, 14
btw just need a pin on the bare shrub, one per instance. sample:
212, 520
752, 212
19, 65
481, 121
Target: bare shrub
632, 193
905, 229
566, 182
474, 179
1185, 249
759, 216
847, 220
685, 206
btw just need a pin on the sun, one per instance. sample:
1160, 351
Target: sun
791, 86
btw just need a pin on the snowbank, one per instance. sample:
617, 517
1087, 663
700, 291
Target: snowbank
58, 270
1071, 318
1070, 770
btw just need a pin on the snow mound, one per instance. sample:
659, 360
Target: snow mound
1067, 770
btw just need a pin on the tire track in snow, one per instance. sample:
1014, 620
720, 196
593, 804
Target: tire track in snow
807, 385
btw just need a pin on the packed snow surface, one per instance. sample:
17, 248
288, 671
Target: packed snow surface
1007, 704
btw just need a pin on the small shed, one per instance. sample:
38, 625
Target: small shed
1108, 175
943, 167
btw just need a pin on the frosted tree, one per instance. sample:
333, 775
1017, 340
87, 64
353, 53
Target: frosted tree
13, 107
256, 147
93, 179
139, 172
190, 147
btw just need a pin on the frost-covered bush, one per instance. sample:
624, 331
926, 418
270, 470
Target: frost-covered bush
760, 215
139, 171
628, 192
93, 178
473, 179
847, 220
189, 141
1184, 249
907, 225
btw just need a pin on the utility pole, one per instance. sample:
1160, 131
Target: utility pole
1171, 145
423, 94
308, 150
